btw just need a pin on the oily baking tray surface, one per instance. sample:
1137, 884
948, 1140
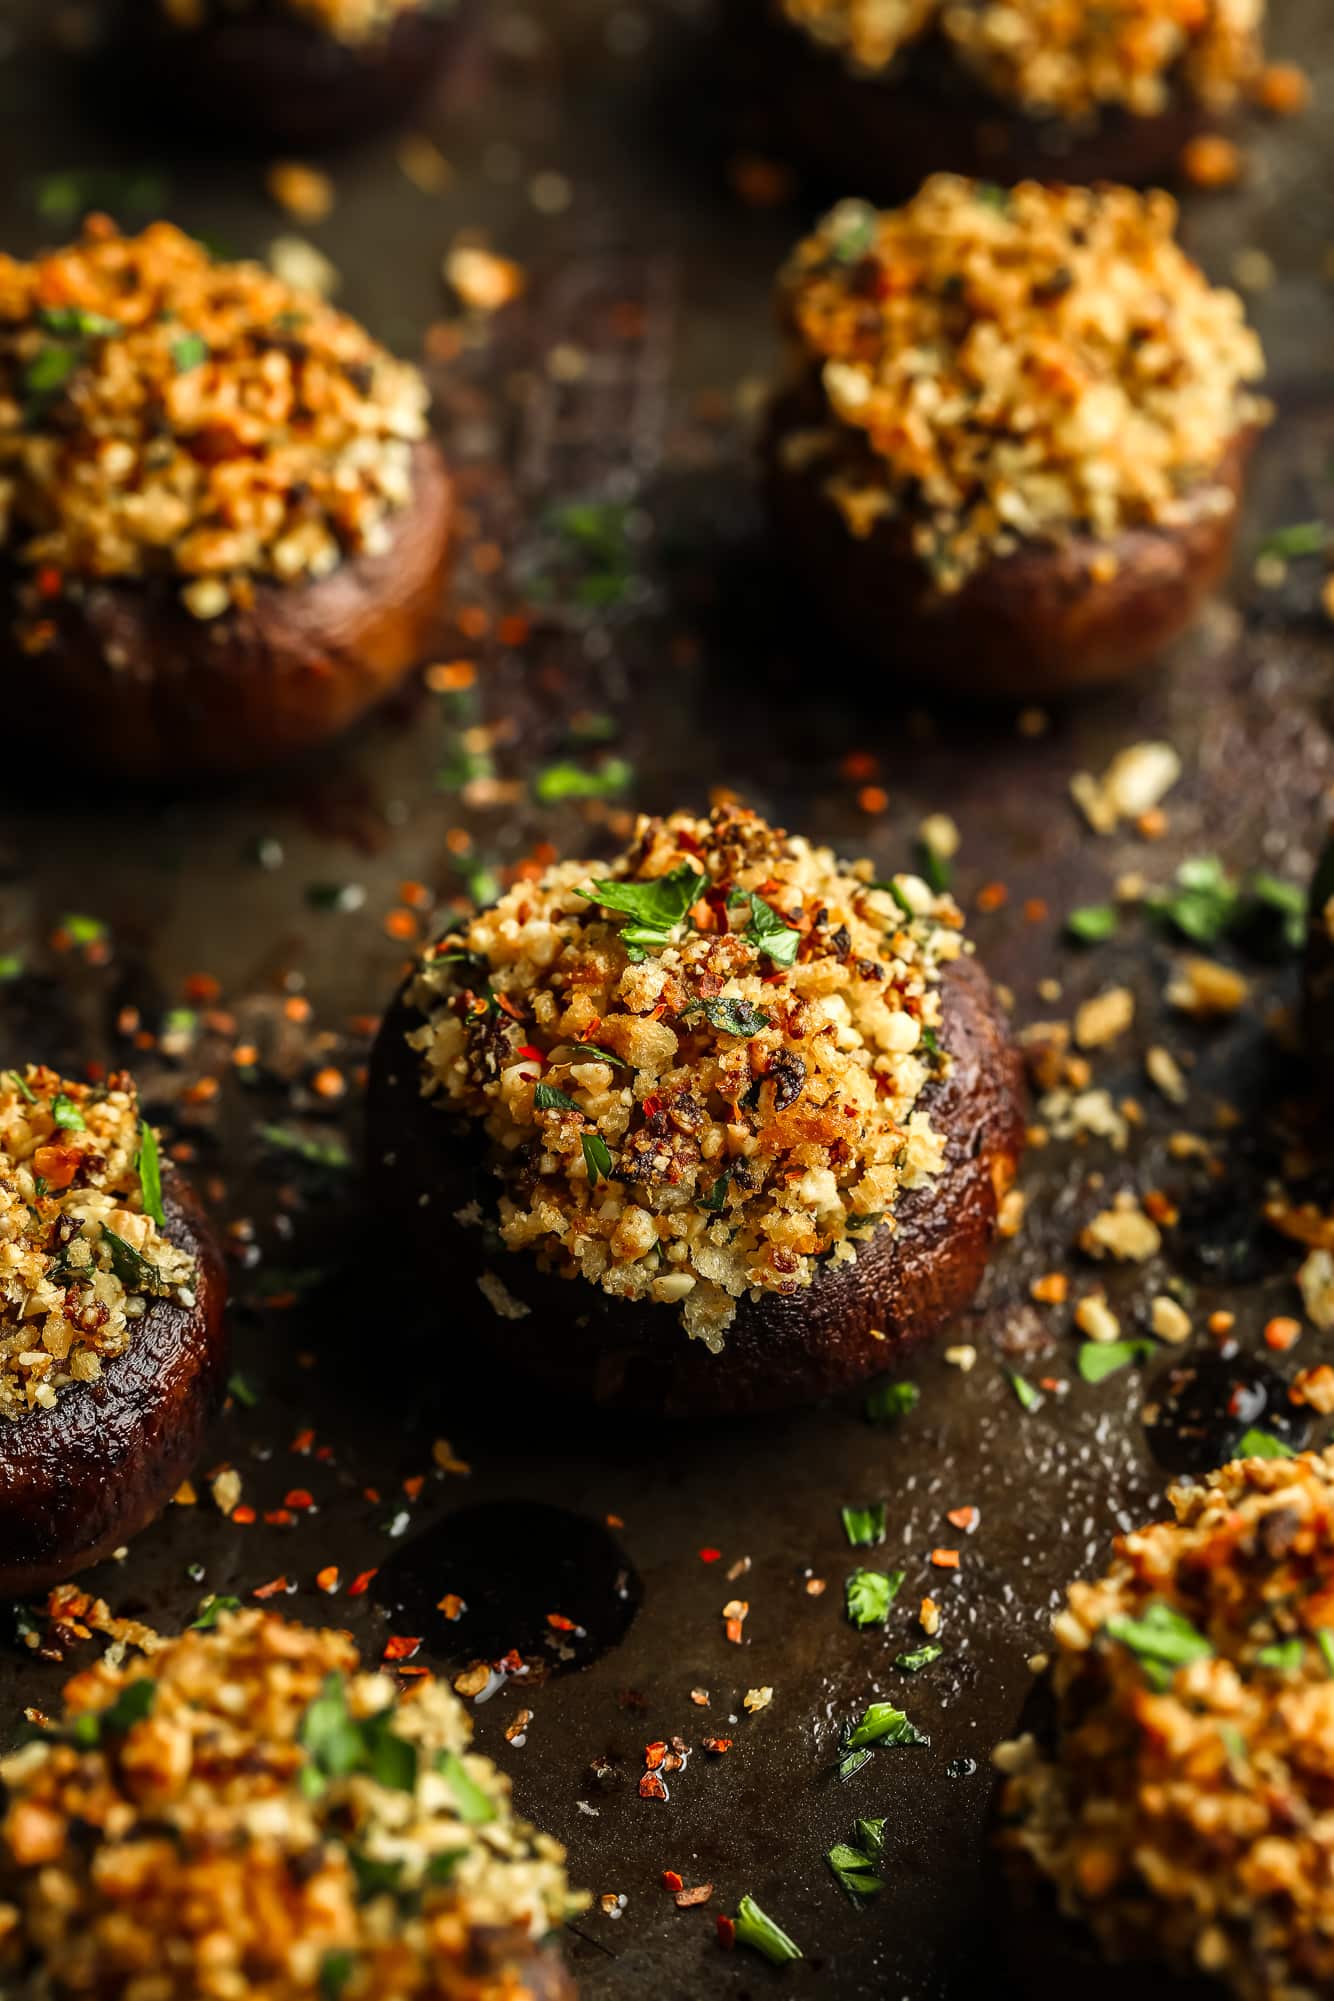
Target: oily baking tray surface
582, 139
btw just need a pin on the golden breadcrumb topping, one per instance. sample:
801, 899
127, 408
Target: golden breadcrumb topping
1182, 1807
81, 1256
162, 414
350, 21
996, 367
699, 1068
1059, 57
248, 1814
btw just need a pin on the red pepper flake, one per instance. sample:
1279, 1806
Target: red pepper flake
560, 1624
245, 1514
717, 1745
1281, 1333
279, 1518
966, 1519
726, 1931
327, 1579
873, 799
451, 1605
992, 896
945, 1559
401, 1647
687, 1899
614, 1521
413, 1485
709, 1555
531, 1055
302, 1442
202, 988
671, 1881
654, 1754
361, 1585
651, 1787
299, 1498
271, 1589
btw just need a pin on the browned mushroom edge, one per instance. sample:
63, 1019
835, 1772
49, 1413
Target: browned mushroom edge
160, 694
881, 135
1044, 621
84, 1476
264, 75
852, 1322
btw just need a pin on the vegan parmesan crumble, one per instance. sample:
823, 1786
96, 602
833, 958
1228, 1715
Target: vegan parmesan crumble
699, 1071
354, 22
81, 1259
995, 368
1182, 1811
249, 1813
1063, 58
166, 415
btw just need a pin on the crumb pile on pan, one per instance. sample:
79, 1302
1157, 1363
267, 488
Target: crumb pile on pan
81, 1256
248, 1812
699, 1068
166, 415
998, 367
1184, 1810
1059, 57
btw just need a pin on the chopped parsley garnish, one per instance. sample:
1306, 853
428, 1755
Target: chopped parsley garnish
212, 1610
326, 1152
655, 908
597, 1156
864, 1526
855, 233
566, 780
11, 966
591, 1052
1100, 1359
734, 1017
130, 1707
715, 1198
149, 1170
546, 1098
336, 1969
67, 1114
474, 1806
754, 1929
79, 322
1092, 923
82, 930
1207, 904
242, 1389
1285, 1656
770, 935
868, 1595
889, 1400
882, 1723
1162, 1640
1030, 1398
854, 1868
597, 536
22, 1086
336, 1743
935, 867
135, 1272
49, 370
1298, 538
1257, 1444
188, 352
919, 1657
1324, 1639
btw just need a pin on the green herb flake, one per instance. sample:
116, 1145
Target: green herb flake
849, 1766
67, 1115
131, 1706
1100, 1359
883, 1724
474, 1807
135, 1272
244, 1392
22, 1086
755, 1929
889, 1400
11, 967
336, 1969
211, 1610
1257, 1444
1162, 1640
82, 930
566, 780
327, 1152
188, 352
655, 908
78, 322
734, 1017
770, 935
149, 1169
49, 370
597, 1156
591, 1052
546, 1098
1029, 1398
854, 1870
1298, 538
935, 867
1093, 923
919, 1657
715, 1198
1324, 1639
868, 1595
1284, 1656
864, 1526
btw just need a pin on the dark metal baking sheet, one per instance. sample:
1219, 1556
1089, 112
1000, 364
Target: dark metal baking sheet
580, 137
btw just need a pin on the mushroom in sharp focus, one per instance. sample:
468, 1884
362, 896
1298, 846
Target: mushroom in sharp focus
1165, 1818
877, 97
250, 1812
722, 1125
225, 529
1010, 448
113, 1355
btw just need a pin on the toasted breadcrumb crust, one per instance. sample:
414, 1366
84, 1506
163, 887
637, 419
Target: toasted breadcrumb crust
219, 1847
1004, 367
162, 414
355, 22
757, 1099
1184, 1811
70, 1293
1065, 58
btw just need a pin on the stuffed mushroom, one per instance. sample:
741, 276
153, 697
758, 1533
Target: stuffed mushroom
1010, 447
225, 529
876, 96
720, 1126
248, 1811
113, 1356
1166, 1818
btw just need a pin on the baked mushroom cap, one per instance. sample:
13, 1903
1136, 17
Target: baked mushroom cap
1015, 425
289, 72
722, 1076
113, 1354
1171, 1807
247, 1811
225, 531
